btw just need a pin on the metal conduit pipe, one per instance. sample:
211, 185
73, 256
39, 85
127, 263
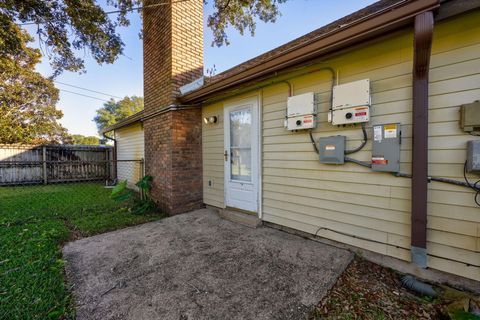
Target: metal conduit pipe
361, 163
254, 87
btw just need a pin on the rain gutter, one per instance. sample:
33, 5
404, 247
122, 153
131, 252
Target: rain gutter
387, 19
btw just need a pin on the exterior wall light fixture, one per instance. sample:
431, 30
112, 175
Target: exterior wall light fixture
210, 120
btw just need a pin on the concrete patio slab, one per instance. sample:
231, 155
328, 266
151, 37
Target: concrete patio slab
199, 266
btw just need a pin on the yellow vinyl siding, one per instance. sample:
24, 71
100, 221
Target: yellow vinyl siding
301, 193
130, 146
453, 218
213, 169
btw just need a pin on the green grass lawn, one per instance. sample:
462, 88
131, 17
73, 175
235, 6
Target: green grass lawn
34, 222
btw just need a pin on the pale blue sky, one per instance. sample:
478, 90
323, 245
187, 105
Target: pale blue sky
124, 77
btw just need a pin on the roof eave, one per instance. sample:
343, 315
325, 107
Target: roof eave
375, 24
137, 117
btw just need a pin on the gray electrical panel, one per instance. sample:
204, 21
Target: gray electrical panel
386, 147
470, 117
473, 156
332, 150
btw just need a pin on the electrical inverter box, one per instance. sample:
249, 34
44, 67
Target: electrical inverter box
302, 111
350, 103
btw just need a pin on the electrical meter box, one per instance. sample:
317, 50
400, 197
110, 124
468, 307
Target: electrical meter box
350, 103
473, 156
302, 111
332, 149
470, 117
386, 147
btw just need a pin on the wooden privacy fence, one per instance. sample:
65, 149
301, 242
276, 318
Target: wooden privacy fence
22, 164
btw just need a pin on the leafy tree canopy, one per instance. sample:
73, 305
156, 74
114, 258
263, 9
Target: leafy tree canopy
240, 14
114, 111
85, 140
27, 99
68, 28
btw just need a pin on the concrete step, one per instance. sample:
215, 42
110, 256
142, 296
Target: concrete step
239, 217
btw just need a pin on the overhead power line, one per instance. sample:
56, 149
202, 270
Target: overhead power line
83, 95
116, 11
81, 88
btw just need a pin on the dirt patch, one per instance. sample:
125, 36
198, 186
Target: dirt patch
73, 232
368, 291
199, 266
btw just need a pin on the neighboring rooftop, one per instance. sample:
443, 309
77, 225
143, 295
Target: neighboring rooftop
137, 117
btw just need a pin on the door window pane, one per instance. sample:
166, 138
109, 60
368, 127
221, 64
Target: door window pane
241, 144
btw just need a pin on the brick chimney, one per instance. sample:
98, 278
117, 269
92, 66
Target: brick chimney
173, 56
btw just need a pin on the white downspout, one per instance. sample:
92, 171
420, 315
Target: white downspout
260, 156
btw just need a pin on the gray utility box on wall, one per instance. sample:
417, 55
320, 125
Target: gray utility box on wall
470, 117
473, 156
386, 147
332, 150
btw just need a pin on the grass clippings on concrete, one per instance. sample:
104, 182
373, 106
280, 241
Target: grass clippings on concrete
368, 291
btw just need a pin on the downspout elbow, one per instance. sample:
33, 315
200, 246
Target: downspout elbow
114, 153
114, 144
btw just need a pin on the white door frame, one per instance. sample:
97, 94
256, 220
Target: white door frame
256, 160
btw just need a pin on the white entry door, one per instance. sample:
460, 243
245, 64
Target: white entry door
241, 155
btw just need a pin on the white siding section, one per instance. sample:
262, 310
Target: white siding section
130, 146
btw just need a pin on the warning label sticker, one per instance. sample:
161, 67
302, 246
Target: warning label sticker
377, 133
330, 147
390, 131
379, 161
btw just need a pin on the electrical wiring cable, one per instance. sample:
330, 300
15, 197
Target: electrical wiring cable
82, 88
313, 141
389, 244
354, 236
360, 147
475, 186
361, 163
83, 95
364, 142
445, 180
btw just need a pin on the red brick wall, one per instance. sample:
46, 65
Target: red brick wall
173, 56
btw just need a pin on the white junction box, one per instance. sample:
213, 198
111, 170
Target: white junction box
350, 103
302, 111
